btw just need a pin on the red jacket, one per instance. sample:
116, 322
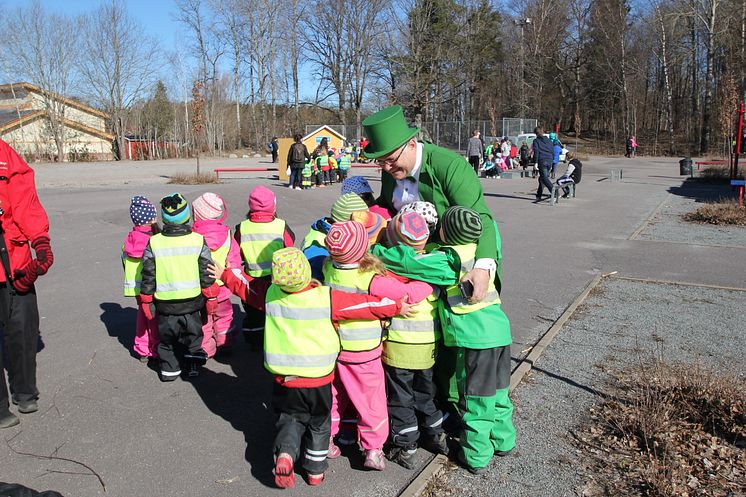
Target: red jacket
24, 218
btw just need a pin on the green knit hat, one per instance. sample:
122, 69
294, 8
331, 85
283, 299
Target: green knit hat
346, 205
460, 226
387, 130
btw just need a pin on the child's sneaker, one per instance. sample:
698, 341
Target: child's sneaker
193, 370
315, 480
404, 457
334, 450
284, 475
374, 459
437, 444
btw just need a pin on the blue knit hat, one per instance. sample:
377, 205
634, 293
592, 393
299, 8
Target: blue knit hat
142, 211
356, 184
175, 209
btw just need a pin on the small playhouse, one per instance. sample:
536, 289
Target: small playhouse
335, 139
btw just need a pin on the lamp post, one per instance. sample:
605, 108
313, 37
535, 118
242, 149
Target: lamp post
521, 102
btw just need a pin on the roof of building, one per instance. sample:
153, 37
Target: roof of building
10, 123
329, 128
19, 88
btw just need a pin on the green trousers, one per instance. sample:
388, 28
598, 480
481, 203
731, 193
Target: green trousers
482, 378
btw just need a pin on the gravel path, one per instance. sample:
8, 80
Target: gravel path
619, 323
668, 226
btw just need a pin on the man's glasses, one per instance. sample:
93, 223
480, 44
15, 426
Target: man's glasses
391, 162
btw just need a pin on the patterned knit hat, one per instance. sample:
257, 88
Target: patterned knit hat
262, 199
345, 205
408, 228
374, 224
424, 209
356, 184
461, 226
290, 270
209, 206
175, 209
142, 211
347, 242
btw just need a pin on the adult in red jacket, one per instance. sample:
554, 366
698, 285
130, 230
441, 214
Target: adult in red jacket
24, 225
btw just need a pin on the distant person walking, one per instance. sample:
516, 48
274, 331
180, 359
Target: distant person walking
543, 150
274, 147
297, 157
631, 147
474, 151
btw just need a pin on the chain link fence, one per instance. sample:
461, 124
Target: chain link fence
450, 134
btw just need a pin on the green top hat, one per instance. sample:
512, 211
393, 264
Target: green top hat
387, 130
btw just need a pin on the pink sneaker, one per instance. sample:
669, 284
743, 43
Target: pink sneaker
284, 475
374, 459
334, 451
315, 480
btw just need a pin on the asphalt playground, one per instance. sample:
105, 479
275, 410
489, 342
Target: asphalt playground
108, 426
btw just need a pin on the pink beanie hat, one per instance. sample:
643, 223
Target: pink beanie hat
209, 206
347, 242
262, 199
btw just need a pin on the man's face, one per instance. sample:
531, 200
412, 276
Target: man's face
400, 162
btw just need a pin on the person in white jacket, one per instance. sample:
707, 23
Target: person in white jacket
572, 174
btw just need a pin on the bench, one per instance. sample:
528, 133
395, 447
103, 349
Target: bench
556, 189
219, 170
741, 184
709, 163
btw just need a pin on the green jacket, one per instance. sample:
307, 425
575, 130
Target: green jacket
446, 179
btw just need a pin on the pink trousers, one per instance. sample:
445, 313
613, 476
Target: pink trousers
359, 394
217, 327
146, 335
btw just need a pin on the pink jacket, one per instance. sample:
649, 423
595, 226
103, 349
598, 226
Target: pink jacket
137, 240
215, 234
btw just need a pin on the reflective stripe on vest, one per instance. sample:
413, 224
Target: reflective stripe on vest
177, 265
355, 335
457, 303
322, 161
258, 242
299, 337
420, 328
221, 255
132, 274
345, 162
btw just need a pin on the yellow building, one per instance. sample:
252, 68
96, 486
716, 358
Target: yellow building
25, 126
312, 139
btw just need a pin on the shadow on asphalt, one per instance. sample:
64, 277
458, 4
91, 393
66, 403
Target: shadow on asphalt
500, 195
120, 323
702, 191
570, 382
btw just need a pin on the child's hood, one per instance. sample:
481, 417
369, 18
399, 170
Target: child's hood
214, 232
137, 240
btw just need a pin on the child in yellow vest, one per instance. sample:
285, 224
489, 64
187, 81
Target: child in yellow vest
144, 217
259, 236
301, 346
175, 282
210, 212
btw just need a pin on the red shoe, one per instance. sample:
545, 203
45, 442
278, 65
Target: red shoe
284, 475
334, 451
315, 480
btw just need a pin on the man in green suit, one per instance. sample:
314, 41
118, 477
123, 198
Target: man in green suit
422, 171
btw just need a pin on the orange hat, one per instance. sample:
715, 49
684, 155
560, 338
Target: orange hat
374, 224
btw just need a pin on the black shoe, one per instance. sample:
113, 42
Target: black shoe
565, 195
167, 378
503, 453
470, 469
27, 406
199, 358
193, 370
8, 419
402, 456
437, 444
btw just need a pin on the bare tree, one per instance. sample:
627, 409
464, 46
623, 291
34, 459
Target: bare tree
42, 48
118, 63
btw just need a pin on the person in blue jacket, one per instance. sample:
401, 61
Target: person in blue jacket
543, 150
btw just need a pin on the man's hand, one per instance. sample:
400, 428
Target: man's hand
480, 278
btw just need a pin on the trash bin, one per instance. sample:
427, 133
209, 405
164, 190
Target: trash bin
685, 166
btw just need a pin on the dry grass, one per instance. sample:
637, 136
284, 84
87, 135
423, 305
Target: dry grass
668, 430
723, 212
715, 172
193, 179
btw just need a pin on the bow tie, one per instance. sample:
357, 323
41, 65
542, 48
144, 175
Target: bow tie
411, 179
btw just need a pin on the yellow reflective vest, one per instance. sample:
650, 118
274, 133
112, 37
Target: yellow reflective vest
458, 304
221, 255
132, 274
420, 328
355, 335
177, 265
258, 242
299, 337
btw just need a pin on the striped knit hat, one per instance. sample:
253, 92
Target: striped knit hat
460, 226
290, 270
408, 228
175, 209
374, 224
347, 242
346, 205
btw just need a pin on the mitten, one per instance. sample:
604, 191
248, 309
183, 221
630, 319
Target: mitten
148, 307
43, 254
23, 279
